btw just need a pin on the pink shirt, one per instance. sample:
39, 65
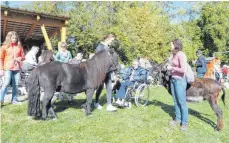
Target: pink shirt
179, 63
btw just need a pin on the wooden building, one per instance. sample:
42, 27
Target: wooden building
33, 28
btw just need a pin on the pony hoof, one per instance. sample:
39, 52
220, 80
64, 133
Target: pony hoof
44, 119
88, 114
217, 129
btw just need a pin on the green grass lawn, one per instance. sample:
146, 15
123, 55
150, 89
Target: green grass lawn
135, 125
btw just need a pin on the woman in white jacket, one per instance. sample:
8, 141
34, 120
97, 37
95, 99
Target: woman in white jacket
30, 59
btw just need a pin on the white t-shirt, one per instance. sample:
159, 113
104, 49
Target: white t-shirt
30, 58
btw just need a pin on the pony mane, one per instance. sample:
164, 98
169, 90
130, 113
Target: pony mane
47, 56
97, 67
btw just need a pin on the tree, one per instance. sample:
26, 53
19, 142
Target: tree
6, 3
215, 28
142, 31
48, 7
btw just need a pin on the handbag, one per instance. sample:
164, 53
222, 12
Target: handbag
189, 74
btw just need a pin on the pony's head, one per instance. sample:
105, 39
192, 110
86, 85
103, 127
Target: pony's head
159, 73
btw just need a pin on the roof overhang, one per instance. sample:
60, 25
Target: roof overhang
28, 23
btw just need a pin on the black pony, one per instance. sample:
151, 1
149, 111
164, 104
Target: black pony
57, 76
201, 89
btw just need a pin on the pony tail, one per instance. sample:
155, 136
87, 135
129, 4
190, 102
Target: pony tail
34, 94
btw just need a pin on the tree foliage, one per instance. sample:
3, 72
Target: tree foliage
144, 28
48, 7
214, 25
142, 31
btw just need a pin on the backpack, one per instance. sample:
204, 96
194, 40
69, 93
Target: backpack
189, 75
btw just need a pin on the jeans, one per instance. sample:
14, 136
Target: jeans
122, 90
200, 75
178, 89
8, 76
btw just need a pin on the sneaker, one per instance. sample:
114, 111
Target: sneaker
111, 108
122, 103
118, 102
174, 123
98, 106
184, 127
16, 102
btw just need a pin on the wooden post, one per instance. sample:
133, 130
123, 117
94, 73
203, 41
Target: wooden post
30, 30
59, 46
63, 34
47, 41
4, 28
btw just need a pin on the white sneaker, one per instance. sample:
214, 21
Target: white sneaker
122, 103
111, 108
98, 106
118, 102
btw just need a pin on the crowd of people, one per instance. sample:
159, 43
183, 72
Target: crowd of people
13, 60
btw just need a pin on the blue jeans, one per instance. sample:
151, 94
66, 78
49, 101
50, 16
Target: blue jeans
200, 75
178, 89
8, 76
122, 90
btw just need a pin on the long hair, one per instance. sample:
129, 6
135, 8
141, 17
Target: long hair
7, 41
177, 45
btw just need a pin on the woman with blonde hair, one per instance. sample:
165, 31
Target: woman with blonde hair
11, 57
63, 55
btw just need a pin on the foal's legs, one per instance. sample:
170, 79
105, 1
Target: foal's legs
213, 102
89, 94
46, 103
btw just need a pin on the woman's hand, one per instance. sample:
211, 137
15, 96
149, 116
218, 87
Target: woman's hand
18, 59
1, 72
169, 67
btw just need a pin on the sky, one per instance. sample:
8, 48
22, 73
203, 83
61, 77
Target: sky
177, 4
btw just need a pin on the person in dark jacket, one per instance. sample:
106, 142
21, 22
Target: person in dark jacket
133, 74
200, 64
104, 45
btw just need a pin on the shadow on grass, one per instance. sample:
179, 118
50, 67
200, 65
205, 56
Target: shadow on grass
170, 110
61, 105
